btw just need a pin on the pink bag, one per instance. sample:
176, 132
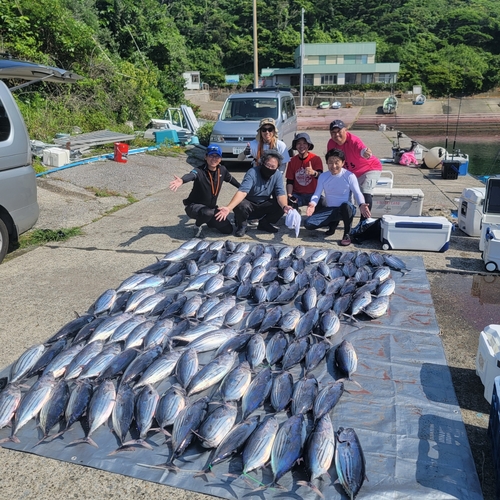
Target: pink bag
408, 159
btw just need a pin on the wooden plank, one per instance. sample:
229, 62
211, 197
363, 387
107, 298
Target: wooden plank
94, 138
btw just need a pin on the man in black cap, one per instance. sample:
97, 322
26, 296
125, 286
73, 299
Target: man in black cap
261, 196
201, 204
359, 158
302, 172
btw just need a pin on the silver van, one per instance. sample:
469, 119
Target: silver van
18, 198
240, 116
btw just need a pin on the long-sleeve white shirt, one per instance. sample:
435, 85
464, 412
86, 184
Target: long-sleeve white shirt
337, 188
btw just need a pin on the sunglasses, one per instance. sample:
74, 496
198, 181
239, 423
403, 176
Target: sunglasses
267, 129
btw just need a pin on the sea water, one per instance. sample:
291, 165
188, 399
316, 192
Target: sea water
484, 152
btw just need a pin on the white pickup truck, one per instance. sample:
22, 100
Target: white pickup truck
18, 198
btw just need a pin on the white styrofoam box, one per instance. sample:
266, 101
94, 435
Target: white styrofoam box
401, 232
470, 210
488, 358
491, 221
491, 254
386, 179
55, 157
396, 201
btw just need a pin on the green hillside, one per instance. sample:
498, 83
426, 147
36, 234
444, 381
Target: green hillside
133, 53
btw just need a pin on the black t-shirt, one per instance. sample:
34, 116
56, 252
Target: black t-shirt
207, 184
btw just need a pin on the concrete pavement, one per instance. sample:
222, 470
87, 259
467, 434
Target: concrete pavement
42, 289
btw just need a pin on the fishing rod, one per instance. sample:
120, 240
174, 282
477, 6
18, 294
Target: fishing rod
447, 123
458, 118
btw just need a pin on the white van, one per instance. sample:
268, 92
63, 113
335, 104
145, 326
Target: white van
240, 116
18, 199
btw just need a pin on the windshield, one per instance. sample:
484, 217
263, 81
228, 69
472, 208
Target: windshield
253, 108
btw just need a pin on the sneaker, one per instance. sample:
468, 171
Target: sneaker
346, 240
265, 225
240, 231
331, 229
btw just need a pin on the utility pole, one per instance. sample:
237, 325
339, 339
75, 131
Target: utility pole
302, 59
255, 49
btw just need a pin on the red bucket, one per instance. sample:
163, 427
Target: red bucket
121, 152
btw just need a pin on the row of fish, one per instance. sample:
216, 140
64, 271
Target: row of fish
245, 325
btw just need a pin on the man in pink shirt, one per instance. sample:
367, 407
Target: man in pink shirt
358, 159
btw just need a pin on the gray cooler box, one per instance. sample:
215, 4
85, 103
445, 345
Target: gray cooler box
430, 234
396, 201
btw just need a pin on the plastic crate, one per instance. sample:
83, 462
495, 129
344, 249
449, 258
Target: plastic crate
494, 430
450, 170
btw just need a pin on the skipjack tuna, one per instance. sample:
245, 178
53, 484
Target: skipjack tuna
233, 346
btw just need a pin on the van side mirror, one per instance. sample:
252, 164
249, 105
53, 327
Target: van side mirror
284, 116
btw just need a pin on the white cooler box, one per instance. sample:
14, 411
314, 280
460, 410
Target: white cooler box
396, 201
415, 233
386, 179
470, 210
489, 221
488, 358
491, 254
56, 157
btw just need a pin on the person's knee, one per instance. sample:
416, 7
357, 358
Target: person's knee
227, 229
309, 225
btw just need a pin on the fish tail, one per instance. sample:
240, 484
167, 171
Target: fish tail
86, 439
204, 474
12, 439
312, 486
55, 436
159, 466
119, 449
138, 442
41, 441
247, 478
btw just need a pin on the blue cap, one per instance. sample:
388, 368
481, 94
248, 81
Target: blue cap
337, 124
213, 149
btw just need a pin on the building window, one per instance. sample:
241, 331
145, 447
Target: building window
350, 77
385, 78
366, 78
328, 79
322, 60
308, 79
360, 59
195, 78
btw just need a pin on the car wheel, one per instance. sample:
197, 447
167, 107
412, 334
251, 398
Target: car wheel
4, 240
491, 267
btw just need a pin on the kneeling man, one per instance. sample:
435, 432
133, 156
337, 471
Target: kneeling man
338, 186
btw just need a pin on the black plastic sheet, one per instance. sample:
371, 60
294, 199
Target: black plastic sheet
404, 411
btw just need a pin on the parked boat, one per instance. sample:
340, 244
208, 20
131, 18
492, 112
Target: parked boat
324, 105
420, 99
390, 105
336, 105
